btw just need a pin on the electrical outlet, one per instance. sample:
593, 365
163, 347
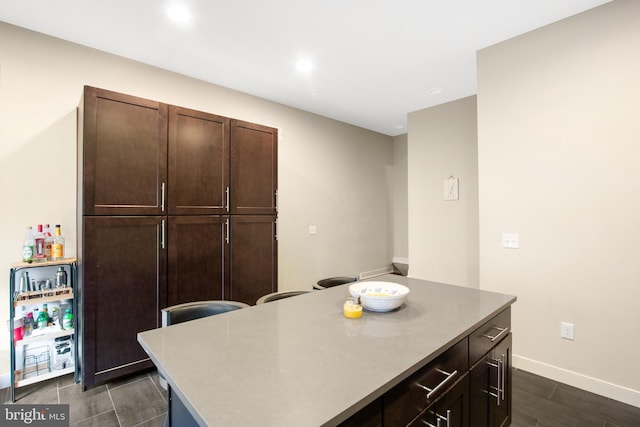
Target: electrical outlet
566, 330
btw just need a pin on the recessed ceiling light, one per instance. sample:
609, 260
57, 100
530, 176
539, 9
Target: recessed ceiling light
179, 13
434, 91
304, 66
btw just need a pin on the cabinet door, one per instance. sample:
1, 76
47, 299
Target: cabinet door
483, 390
122, 149
490, 387
198, 162
253, 258
197, 258
254, 168
454, 406
450, 410
123, 289
500, 415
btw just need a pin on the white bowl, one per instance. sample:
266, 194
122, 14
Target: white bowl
379, 296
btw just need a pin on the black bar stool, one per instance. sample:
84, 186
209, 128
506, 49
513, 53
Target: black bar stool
279, 295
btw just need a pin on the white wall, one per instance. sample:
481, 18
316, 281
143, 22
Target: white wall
332, 175
443, 235
559, 164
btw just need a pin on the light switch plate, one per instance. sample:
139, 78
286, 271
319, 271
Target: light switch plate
313, 229
451, 189
510, 241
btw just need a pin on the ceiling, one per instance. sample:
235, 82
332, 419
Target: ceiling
369, 62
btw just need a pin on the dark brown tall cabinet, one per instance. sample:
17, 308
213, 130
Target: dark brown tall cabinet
175, 205
198, 163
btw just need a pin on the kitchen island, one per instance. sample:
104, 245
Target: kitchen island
300, 362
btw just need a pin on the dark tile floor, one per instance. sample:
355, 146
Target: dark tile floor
541, 402
136, 401
139, 401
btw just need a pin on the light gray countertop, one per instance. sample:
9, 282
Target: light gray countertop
299, 362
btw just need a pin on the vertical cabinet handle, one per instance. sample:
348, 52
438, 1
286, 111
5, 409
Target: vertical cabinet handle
447, 419
499, 381
499, 364
162, 197
439, 419
275, 229
503, 364
162, 235
496, 365
227, 196
226, 237
276, 199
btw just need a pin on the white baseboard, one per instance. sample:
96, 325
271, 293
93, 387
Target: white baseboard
400, 260
377, 272
593, 385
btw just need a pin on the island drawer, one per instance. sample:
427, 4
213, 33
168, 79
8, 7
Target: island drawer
405, 401
488, 335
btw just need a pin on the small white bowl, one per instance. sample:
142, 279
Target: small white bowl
379, 296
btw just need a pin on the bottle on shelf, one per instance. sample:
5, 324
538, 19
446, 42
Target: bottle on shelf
28, 324
63, 353
67, 320
45, 310
38, 245
54, 316
48, 241
61, 278
57, 249
42, 320
24, 283
27, 247
35, 315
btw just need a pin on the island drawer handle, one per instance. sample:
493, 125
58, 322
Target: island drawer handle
431, 391
494, 338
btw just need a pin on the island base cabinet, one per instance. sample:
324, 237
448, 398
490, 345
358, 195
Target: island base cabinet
467, 385
450, 410
178, 414
370, 416
490, 387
